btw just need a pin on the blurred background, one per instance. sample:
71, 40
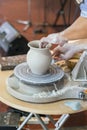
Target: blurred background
34, 19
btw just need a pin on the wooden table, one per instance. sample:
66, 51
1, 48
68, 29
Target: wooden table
55, 108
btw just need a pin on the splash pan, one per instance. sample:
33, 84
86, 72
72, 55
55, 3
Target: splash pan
23, 72
67, 91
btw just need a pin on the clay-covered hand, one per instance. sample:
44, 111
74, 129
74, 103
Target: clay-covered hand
54, 38
68, 50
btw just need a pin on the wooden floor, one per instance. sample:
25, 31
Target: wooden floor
14, 10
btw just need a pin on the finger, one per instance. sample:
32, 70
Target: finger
68, 55
49, 45
56, 50
45, 40
44, 44
56, 58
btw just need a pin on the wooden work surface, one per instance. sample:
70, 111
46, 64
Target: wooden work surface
55, 108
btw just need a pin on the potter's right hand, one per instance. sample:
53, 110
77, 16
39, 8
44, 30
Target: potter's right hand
54, 38
68, 50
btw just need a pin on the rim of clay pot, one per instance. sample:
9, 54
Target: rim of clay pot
35, 45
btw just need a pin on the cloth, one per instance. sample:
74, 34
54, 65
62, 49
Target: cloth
74, 105
83, 8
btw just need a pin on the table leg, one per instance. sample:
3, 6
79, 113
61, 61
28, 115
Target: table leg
51, 119
42, 28
57, 124
25, 121
61, 121
41, 122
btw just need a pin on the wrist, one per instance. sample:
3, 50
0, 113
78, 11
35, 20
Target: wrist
63, 38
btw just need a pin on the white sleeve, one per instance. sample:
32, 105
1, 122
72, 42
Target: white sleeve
83, 8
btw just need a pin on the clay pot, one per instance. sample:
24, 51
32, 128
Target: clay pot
38, 59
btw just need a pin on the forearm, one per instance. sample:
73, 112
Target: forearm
78, 30
82, 44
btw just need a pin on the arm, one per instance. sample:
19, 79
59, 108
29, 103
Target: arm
78, 30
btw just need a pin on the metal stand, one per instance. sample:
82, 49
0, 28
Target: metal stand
27, 23
57, 124
43, 25
61, 121
61, 12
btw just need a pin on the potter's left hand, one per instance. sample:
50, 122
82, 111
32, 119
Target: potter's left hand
68, 50
54, 38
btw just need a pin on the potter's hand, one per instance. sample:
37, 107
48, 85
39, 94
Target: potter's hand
54, 38
68, 50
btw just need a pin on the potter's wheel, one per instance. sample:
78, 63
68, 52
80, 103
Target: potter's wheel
53, 86
67, 91
23, 72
